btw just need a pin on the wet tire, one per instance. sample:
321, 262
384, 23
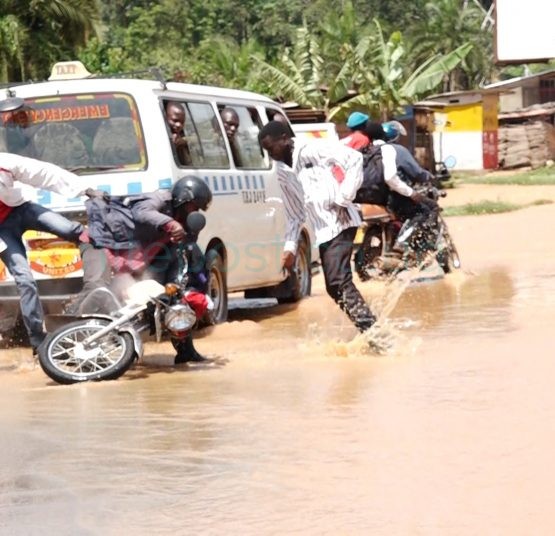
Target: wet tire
300, 279
369, 252
64, 359
217, 289
448, 257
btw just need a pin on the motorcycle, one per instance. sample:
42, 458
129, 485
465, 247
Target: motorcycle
386, 245
104, 345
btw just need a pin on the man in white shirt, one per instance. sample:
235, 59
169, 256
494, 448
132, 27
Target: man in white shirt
18, 214
396, 166
320, 179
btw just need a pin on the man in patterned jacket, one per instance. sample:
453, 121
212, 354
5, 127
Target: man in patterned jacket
321, 179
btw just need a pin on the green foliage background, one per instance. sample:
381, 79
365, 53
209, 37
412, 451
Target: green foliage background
338, 55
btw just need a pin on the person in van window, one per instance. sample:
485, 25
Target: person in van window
18, 214
311, 184
230, 120
175, 117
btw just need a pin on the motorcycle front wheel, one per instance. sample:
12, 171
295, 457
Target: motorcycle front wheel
65, 359
447, 256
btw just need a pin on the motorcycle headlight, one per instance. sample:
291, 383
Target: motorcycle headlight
179, 319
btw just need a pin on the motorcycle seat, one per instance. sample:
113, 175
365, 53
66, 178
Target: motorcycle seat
374, 212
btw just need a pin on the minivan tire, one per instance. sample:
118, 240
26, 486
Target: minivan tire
217, 289
300, 279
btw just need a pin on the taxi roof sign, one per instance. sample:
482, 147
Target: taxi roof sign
68, 70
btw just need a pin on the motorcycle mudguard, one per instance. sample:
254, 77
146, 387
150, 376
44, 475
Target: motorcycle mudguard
137, 341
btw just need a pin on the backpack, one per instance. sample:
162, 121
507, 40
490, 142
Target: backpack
373, 189
111, 223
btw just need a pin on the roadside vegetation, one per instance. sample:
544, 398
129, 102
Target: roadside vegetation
489, 207
371, 55
542, 176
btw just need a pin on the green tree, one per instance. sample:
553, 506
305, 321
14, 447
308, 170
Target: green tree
387, 78
37, 33
448, 25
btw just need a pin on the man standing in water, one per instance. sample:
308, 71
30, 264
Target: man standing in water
321, 178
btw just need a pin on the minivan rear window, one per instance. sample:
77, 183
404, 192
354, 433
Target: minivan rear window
88, 133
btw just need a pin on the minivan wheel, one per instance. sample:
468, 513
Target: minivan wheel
300, 279
217, 289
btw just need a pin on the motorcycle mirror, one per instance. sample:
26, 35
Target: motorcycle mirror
195, 222
11, 104
450, 162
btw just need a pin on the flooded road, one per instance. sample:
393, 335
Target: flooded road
294, 428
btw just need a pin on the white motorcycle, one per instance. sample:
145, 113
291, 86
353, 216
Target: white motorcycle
103, 346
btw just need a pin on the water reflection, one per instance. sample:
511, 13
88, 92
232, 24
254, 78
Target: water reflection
462, 304
281, 435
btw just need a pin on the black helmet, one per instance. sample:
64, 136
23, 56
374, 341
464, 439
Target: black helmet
191, 188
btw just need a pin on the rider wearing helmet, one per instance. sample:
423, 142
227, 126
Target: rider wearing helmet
140, 236
162, 214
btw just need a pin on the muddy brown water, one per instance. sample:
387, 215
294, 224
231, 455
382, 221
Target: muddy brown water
295, 428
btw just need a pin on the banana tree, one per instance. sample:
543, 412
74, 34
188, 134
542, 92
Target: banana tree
386, 79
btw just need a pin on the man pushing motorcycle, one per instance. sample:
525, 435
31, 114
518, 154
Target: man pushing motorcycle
141, 236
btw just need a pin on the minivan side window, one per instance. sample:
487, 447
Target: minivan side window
242, 125
197, 139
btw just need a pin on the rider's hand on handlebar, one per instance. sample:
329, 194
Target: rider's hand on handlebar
175, 230
421, 199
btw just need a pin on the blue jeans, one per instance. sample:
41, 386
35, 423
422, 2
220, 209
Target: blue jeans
23, 218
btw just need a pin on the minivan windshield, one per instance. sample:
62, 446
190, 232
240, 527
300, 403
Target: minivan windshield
88, 133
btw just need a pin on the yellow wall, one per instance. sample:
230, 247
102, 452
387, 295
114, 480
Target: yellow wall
466, 118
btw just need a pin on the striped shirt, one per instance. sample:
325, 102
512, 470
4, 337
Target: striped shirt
310, 189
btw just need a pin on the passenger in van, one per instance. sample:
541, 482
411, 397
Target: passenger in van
18, 214
230, 119
175, 117
309, 186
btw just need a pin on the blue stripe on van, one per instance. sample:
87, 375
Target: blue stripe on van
262, 185
44, 197
224, 184
240, 182
134, 188
255, 183
165, 184
105, 188
232, 182
215, 186
248, 183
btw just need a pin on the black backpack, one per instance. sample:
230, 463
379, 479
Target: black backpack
373, 189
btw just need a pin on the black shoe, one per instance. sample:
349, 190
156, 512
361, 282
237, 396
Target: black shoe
186, 352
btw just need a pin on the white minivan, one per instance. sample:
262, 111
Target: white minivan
114, 131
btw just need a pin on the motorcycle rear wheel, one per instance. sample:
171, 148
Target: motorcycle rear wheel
64, 359
369, 251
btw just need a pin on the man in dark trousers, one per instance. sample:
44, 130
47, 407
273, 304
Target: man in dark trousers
321, 179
